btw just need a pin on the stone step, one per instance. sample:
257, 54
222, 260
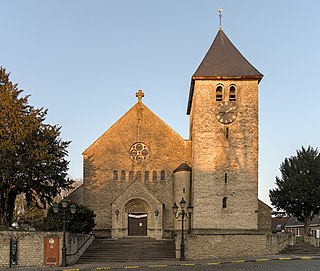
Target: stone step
114, 260
301, 249
128, 249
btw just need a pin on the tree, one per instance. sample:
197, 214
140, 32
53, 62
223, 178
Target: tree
77, 182
80, 222
27, 216
32, 154
298, 189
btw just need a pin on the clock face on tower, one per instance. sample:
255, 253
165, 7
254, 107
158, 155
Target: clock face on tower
226, 112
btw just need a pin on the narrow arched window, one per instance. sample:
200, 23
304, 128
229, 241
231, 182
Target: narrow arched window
224, 202
130, 175
139, 175
219, 94
162, 175
115, 175
232, 93
154, 176
123, 175
146, 176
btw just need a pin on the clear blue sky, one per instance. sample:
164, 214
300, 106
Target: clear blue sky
84, 61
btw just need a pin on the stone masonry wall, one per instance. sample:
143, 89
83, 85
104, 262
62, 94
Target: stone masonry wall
4, 249
214, 154
31, 247
182, 187
225, 246
228, 244
110, 154
264, 216
76, 245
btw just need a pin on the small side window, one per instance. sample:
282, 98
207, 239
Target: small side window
224, 202
163, 175
123, 175
115, 175
154, 175
219, 94
139, 175
146, 176
232, 93
130, 175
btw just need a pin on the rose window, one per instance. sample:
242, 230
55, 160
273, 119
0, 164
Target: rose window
139, 152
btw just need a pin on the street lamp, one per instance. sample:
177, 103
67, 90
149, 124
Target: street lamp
183, 214
73, 208
117, 214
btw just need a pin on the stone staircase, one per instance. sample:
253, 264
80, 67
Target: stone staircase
301, 248
128, 249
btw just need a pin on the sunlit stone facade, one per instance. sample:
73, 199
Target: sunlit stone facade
139, 167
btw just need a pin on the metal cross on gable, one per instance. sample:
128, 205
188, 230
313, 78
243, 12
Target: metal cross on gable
139, 95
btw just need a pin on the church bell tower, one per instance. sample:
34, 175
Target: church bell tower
223, 109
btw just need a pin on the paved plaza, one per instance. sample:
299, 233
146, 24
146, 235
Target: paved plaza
267, 263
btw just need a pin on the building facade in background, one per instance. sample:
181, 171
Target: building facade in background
139, 167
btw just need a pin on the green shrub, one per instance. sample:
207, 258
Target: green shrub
80, 222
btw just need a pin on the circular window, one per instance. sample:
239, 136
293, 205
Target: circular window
139, 152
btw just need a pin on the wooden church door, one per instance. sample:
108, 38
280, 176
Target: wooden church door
137, 224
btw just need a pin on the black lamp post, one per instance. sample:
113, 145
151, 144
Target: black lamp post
55, 207
183, 214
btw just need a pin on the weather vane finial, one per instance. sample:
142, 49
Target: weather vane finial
220, 16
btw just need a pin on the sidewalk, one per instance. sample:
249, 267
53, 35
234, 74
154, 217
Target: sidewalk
163, 264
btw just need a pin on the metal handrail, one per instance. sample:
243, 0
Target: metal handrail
287, 237
91, 234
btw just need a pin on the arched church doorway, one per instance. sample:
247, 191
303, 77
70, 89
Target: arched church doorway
137, 210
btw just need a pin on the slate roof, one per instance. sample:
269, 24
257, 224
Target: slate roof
293, 221
278, 224
182, 167
223, 61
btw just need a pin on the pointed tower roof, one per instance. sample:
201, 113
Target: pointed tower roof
223, 61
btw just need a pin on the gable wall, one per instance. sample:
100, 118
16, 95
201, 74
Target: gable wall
167, 150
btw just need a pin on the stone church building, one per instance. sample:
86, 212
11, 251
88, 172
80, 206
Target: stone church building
137, 169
